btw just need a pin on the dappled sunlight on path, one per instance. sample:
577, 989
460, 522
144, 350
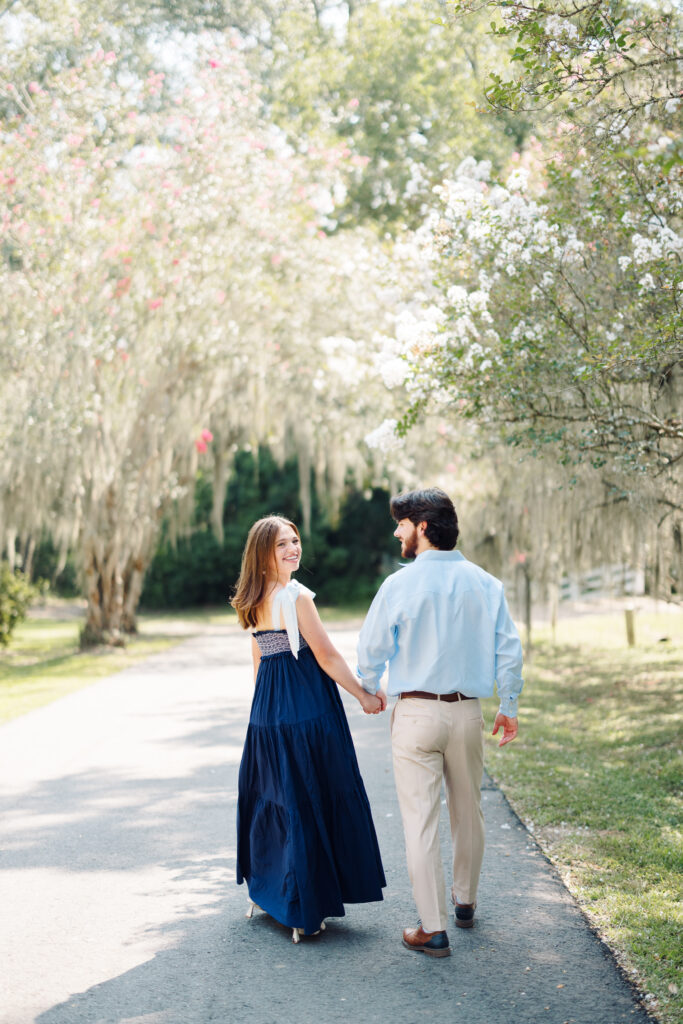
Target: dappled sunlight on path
118, 866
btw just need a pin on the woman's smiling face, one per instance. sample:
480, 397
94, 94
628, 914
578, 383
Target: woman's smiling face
287, 553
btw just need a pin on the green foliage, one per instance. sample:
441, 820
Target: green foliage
46, 564
615, 57
16, 595
342, 563
402, 89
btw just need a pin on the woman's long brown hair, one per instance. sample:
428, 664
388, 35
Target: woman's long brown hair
257, 561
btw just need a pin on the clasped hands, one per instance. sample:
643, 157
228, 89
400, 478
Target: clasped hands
373, 703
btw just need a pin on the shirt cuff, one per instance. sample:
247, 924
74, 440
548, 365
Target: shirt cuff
508, 707
369, 683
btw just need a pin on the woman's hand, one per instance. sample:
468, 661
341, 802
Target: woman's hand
373, 703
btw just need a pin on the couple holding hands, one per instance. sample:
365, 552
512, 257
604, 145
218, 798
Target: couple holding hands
306, 843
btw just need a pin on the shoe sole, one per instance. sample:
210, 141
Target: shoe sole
429, 952
464, 924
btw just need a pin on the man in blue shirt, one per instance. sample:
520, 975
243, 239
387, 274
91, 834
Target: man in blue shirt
443, 626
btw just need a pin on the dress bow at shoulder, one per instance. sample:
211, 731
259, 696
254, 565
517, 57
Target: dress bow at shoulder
284, 603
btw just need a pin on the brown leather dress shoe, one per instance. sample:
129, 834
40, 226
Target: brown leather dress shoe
431, 943
464, 914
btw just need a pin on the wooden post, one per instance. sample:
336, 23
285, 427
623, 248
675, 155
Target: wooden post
630, 614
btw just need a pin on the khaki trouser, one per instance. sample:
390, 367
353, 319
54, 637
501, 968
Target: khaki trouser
433, 740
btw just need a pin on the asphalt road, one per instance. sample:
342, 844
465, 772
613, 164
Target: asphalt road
118, 902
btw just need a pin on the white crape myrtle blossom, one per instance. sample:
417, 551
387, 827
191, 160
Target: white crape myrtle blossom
560, 28
391, 360
478, 300
671, 241
532, 273
518, 180
343, 357
464, 328
458, 298
572, 380
475, 357
384, 437
663, 242
417, 330
479, 170
394, 371
573, 249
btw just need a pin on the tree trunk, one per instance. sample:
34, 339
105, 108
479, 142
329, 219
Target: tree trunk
104, 594
11, 548
220, 479
61, 562
133, 580
527, 608
554, 594
27, 556
305, 486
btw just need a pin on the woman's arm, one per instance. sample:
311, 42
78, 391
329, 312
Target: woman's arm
256, 655
329, 658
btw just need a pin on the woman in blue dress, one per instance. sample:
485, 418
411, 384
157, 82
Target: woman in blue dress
306, 843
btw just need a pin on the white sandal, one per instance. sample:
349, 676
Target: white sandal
251, 908
298, 932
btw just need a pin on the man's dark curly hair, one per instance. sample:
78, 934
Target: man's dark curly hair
433, 507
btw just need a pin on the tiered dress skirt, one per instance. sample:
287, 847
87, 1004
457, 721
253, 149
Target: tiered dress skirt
306, 843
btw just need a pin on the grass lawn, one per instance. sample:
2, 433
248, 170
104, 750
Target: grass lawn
597, 775
43, 661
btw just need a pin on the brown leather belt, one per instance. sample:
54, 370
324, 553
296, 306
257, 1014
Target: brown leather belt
448, 697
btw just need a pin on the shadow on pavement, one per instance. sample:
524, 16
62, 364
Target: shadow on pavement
530, 959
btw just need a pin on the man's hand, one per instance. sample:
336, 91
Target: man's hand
509, 726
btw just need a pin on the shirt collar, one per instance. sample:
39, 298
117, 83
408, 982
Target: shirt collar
431, 554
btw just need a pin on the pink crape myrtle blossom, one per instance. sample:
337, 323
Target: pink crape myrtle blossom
146, 286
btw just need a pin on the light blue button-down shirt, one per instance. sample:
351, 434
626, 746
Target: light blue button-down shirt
443, 625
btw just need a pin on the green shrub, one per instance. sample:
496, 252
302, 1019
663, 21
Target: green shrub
342, 562
16, 595
45, 563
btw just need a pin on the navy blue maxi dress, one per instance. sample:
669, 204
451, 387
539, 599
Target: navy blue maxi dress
306, 843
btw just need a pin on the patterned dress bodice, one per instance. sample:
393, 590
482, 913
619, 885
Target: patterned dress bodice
287, 640
276, 641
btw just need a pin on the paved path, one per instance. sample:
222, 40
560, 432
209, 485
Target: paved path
117, 895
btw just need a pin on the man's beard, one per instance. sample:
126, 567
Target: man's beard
409, 546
